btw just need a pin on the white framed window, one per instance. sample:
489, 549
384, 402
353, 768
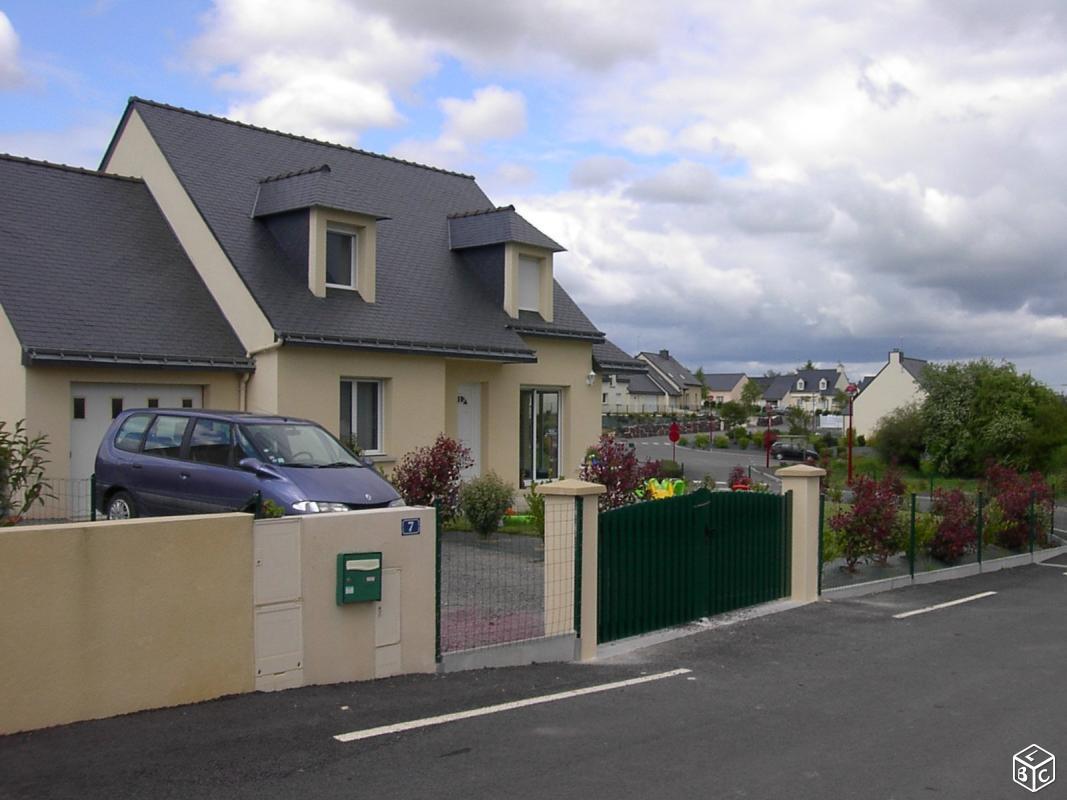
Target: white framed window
822, 384
529, 284
800, 385
342, 260
361, 415
540, 418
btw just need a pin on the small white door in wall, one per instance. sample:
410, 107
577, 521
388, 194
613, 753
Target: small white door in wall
469, 424
94, 405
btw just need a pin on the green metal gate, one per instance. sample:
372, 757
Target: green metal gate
668, 562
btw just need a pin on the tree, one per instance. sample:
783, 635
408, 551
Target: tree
703, 381
733, 414
899, 436
771, 373
751, 394
807, 366
798, 419
979, 411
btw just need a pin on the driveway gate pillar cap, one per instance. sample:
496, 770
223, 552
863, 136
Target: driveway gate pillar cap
570, 487
800, 471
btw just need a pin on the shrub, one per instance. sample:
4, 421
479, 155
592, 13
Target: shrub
683, 441
702, 440
722, 442
860, 441
536, 503
1017, 502
743, 442
900, 436
431, 474
955, 533
22, 467
669, 469
870, 528
484, 501
736, 433
739, 479
615, 465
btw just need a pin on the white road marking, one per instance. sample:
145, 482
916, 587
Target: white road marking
943, 605
426, 722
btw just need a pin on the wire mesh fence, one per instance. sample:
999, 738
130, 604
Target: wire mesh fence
925, 533
63, 500
507, 587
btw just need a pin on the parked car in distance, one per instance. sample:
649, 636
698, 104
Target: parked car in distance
793, 451
157, 461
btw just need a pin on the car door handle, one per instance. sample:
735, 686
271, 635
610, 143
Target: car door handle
183, 475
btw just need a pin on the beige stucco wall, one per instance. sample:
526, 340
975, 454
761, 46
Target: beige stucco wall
114, 617
892, 388
137, 154
49, 404
308, 386
366, 250
340, 642
13, 386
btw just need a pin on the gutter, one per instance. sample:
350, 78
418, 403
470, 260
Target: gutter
242, 400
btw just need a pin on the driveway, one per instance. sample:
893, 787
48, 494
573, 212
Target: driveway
831, 700
699, 463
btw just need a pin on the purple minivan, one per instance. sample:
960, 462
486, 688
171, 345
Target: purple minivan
159, 461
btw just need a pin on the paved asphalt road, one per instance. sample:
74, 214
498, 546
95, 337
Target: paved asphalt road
699, 463
831, 700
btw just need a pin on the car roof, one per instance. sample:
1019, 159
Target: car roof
246, 417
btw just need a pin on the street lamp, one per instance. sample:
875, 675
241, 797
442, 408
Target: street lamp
851, 391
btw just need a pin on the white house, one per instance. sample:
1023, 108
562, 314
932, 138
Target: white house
895, 385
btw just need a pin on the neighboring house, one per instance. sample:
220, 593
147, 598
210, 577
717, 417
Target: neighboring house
244, 268
687, 390
650, 393
616, 369
725, 387
895, 385
811, 389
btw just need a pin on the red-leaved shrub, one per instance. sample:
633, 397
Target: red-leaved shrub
1014, 498
869, 529
429, 474
616, 466
956, 533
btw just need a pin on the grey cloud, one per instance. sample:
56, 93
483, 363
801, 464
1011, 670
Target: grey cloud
599, 171
682, 182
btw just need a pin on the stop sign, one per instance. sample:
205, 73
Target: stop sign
674, 434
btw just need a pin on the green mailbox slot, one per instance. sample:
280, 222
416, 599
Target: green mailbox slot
359, 577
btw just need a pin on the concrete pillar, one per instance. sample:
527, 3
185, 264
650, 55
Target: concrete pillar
561, 524
803, 482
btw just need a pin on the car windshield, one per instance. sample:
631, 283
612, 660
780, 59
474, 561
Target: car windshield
298, 445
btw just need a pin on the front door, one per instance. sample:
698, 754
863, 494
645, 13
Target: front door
469, 425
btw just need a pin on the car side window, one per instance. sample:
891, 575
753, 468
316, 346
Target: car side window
165, 436
244, 448
211, 442
131, 434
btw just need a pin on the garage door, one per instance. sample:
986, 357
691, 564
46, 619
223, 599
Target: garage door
94, 405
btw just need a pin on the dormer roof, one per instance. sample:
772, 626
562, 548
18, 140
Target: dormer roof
495, 226
314, 186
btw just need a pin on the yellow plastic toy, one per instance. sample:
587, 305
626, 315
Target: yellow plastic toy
662, 489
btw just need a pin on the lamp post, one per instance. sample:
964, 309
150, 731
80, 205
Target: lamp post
850, 390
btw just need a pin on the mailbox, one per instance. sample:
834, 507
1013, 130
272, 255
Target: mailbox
359, 577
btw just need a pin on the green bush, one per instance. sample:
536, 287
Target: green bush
22, 468
743, 442
484, 500
669, 469
702, 440
722, 442
861, 441
737, 432
899, 436
536, 503
683, 441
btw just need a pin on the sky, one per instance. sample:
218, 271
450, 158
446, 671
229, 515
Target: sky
749, 185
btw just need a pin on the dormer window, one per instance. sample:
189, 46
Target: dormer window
800, 385
342, 256
822, 384
529, 284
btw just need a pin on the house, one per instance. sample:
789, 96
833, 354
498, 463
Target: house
896, 384
725, 387
649, 393
243, 268
810, 389
683, 383
616, 370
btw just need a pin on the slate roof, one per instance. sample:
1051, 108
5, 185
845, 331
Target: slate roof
90, 272
723, 381
609, 358
914, 366
811, 381
495, 226
315, 186
428, 301
669, 366
650, 383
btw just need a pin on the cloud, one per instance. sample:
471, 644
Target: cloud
599, 171
11, 72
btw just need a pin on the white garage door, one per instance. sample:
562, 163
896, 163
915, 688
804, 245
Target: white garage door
94, 405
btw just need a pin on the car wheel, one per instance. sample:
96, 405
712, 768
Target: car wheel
120, 506
777, 456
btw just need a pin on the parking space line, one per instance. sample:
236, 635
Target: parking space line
943, 605
427, 722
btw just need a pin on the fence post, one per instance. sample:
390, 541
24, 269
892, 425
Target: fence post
911, 540
822, 524
980, 525
569, 519
92, 498
1033, 522
437, 582
803, 482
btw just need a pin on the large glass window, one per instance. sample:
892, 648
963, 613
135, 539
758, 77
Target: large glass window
529, 283
132, 431
165, 436
298, 445
539, 424
361, 415
341, 257
211, 442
